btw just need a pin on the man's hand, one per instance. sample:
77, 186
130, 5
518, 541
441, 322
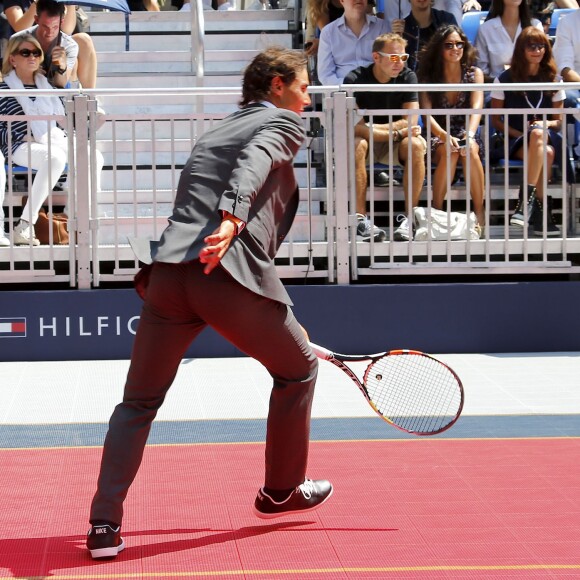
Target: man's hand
398, 26
58, 57
414, 130
471, 5
217, 245
311, 47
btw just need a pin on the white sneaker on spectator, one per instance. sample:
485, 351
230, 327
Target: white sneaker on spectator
24, 234
403, 232
365, 230
4, 241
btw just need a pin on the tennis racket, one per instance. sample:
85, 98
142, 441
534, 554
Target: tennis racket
411, 390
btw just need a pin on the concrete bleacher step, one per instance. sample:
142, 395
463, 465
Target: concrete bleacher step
159, 31
161, 23
128, 177
182, 42
118, 207
165, 81
172, 61
146, 101
118, 230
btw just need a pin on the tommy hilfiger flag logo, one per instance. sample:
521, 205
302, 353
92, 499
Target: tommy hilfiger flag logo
12, 327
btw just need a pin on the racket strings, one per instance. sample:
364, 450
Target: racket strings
415, 392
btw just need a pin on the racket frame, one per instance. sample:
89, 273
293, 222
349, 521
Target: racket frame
338, 360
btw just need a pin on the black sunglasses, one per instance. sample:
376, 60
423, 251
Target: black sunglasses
536, 46
452, 45
26, 53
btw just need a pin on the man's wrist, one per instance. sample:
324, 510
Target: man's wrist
239, 224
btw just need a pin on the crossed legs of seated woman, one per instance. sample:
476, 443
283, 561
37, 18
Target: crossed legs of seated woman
49, 168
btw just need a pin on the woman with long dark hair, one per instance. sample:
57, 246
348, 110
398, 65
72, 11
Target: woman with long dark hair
497, 36
532, 62
449, 58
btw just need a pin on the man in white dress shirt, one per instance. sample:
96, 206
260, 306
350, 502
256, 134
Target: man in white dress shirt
347, 43
567, 48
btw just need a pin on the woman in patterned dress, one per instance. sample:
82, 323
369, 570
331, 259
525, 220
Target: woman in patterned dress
449, 58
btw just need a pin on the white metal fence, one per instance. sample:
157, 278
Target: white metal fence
143, 156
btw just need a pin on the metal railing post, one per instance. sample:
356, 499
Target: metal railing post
79, 180
341, 181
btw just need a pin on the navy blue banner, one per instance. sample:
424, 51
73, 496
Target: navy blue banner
454, 318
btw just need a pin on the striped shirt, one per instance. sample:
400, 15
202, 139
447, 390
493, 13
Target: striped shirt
17, 131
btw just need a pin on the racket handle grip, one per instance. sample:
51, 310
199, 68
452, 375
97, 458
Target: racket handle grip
321, 352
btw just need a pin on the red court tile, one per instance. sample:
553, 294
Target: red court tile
412, 509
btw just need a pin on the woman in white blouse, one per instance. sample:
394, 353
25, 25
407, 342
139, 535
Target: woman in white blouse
39, 144
497, 36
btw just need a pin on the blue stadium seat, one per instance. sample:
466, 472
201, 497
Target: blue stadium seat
471, 22
556, 15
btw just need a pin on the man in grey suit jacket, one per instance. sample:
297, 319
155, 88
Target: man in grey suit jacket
214, 265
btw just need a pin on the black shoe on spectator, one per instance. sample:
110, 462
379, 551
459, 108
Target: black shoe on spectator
307, 497
552, 230
382, 179
517, 218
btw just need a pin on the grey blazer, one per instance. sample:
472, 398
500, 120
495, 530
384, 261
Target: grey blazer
244, 166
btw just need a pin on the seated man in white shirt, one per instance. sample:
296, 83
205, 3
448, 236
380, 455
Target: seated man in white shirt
347, 43
567, 51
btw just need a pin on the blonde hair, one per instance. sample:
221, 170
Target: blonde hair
383, 39
315, 9
14, 45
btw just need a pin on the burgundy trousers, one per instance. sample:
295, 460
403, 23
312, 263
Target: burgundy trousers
180, 302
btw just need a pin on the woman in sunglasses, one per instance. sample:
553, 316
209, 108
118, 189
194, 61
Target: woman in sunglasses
38, 144
532, 62
449, 58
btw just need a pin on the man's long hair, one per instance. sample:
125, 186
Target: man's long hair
272, 62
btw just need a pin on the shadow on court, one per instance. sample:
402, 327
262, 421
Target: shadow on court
38, 557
